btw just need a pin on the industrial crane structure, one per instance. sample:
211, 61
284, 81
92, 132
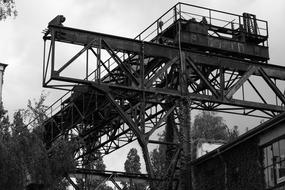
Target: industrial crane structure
122, 89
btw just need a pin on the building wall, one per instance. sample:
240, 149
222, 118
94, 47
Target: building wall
236, 169
279, 130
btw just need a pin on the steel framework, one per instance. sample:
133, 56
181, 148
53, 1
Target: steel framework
122, 89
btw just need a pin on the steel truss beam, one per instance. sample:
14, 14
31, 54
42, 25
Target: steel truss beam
197, 61
146, 85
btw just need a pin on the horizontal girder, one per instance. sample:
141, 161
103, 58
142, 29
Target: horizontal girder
123, 44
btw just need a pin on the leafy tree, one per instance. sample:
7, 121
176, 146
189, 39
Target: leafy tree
207, 125
7, 9
161, 160
92, 161
4, 122
35, 114
24, 158
234, 133
158, 162
10, 168
132, 165
59, 158
158, 158
31, 153
90, 183
61, 161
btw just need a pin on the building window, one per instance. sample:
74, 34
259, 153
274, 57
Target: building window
274, 163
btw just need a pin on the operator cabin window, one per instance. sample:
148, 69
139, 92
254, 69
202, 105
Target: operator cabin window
274, 163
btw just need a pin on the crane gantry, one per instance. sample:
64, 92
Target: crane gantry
122, 89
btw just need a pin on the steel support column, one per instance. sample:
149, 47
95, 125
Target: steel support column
185, 170
186, 178
169, 138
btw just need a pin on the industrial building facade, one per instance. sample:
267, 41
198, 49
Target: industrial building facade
256, 160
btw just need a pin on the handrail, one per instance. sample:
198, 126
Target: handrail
215, 10
156, 21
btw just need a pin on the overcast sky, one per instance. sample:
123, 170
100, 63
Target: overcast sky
21, 44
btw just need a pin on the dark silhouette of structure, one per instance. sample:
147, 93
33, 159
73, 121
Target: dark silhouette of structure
121, 89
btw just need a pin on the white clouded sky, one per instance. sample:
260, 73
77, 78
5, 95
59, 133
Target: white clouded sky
21, 44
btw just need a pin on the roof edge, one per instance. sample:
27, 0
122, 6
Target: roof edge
244, 137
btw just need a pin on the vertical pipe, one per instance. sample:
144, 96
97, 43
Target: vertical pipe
186, 171
242, 89
210, 16
53, 52
242, 92
98, 61
266, 33
222, 81
87, 64
276, 98
142, 73
266, 28
44, 66
179, 10
142, 111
